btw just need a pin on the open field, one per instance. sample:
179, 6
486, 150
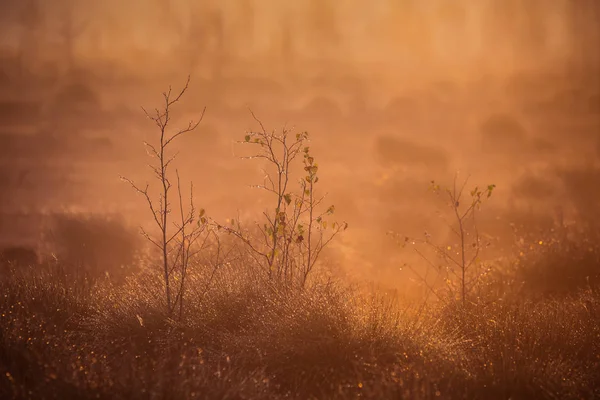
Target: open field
382, 200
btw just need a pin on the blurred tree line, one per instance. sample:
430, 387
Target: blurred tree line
213, 33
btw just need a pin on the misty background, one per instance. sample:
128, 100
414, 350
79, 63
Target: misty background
393, 93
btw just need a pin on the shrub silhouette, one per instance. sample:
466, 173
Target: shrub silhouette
581, 192
92, 245
396, 151
532, 187
558, 261
19, 256
503, 133
75, 98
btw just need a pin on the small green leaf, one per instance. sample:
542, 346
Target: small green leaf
287, 198
247, 138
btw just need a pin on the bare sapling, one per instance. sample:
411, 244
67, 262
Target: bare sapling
460, 268
178, 237
295, 230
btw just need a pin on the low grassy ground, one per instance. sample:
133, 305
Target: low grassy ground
63, 337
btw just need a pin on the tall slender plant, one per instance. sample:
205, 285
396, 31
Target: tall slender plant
176, 238
459, 260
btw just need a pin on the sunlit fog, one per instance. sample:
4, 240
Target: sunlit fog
406, 104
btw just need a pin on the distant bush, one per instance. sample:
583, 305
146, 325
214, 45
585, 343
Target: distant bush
531, 187
582, 192
92, 245
75, 98
554, 256
393, 151
502, 133
558, 261
18, 256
